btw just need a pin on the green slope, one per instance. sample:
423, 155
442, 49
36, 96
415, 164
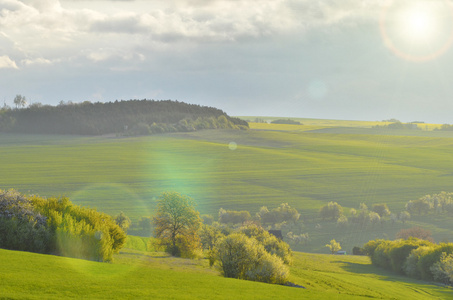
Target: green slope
139, 275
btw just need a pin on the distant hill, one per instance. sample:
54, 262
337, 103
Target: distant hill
132, 117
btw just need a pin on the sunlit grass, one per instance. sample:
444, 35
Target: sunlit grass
141, 275
304, 169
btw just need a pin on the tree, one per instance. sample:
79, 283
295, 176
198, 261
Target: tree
404, 216
334, 246
419, 206
176, 224
20, 101
381, 209
416, 232
123, 221
145, 223
331, 210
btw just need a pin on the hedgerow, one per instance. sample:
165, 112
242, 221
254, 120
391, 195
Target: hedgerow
413, 257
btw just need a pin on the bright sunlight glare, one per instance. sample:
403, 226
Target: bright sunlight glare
417, 30
419, 24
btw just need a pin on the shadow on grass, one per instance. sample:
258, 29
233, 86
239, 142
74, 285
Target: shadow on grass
358, 268
386, 275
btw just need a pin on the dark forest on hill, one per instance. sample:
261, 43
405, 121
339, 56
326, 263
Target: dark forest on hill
132, 117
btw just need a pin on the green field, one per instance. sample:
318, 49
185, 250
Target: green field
141, 275
269, 166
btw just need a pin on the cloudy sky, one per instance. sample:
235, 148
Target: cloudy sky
348, 59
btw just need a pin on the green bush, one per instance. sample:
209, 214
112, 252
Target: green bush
400, 250
56, 226
443, 269
414, 257
271, 243
242, 257
411, 265
430, 258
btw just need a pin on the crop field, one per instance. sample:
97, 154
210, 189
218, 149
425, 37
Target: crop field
151, 275
242, 170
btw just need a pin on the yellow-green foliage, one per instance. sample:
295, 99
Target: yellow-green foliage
271, 243
413, 257
176, 225
334, 246
246, 258
70, 230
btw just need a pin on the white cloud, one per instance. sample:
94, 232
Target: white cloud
36, 61
7, 63
45, 28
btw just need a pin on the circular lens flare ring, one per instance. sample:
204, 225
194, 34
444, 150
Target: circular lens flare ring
418, 24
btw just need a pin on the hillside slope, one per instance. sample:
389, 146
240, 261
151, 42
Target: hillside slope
140, 275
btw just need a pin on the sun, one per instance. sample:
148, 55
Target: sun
417, 30
419, 24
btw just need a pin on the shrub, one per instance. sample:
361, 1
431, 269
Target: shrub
331, 210
370, 247
57, 226
358, 251
410, 267
233, 217
443, 269
271, 243
430, 258
242, 257
400, 250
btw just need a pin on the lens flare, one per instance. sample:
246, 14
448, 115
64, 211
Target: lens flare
233, 146
417, 30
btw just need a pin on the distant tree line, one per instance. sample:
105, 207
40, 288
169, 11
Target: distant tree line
286, 121
398, 125
133, 117
445, 127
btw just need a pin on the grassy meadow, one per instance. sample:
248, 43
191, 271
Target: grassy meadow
241, 170
153, 275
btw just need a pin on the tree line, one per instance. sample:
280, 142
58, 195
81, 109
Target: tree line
132, 117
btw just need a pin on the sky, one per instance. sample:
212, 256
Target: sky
331, 59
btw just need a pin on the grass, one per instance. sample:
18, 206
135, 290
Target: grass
136, 274
304, 168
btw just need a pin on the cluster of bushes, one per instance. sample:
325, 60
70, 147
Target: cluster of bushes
361, 216
233, 216
56, 226
439, 203
132, 117
276, 216
249, 253
283, 213
284, 217
413, 257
